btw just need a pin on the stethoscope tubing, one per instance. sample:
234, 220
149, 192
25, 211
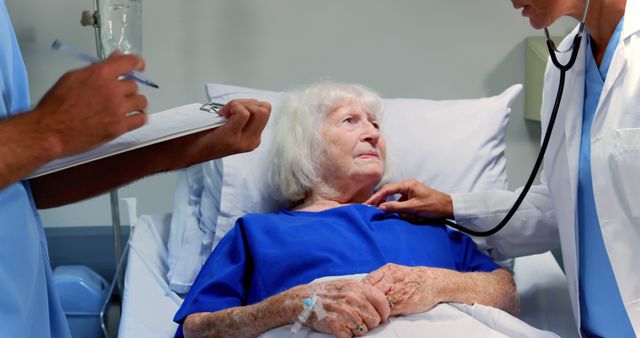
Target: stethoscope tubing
575, 48
532, 176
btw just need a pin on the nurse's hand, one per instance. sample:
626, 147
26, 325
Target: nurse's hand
416, 199
408, 289
352, 307
246, 120
90, 106
242, 133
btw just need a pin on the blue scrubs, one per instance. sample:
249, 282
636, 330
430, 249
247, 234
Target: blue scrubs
265, 254
601, 309
29, 305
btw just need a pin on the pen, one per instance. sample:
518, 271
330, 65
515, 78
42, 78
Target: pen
61, 47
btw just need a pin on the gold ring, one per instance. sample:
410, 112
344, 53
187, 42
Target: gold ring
389, 301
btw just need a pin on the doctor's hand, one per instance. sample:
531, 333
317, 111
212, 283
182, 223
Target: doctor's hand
416, 199
352, 307
408, 289
89, 106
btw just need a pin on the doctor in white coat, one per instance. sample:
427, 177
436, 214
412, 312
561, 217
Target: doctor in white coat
589, 199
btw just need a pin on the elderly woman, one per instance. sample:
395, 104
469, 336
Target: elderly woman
329, 156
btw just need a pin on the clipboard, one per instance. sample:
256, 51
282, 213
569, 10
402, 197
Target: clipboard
160, 126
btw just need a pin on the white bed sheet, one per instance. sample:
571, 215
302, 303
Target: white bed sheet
149, 305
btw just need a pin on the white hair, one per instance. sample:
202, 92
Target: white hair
297, 142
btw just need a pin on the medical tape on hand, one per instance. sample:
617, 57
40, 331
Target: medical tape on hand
311, 305
317, 308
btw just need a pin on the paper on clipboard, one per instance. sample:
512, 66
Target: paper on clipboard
161, 126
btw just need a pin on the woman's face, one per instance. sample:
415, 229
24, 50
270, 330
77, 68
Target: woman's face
353, 147
542, 13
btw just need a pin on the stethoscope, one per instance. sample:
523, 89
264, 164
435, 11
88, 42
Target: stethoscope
575, 47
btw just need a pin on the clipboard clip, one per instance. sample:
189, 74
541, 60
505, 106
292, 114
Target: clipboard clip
212, 107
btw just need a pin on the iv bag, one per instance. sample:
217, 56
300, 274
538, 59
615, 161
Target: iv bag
121, 26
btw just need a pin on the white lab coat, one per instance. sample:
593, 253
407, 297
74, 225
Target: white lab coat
548, 214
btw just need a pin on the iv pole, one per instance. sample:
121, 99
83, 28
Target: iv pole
92, 18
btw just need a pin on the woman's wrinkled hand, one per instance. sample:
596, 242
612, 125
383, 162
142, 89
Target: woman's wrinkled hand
407, 289
416, 199
352, 307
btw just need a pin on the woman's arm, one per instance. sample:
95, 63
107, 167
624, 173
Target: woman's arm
243, 321
349, 304
418, 289
496, 289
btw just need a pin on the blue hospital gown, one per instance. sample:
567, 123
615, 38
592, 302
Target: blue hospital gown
29, 306
265, 254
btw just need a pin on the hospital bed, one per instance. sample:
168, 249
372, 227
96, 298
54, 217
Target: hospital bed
149, 301
148, 304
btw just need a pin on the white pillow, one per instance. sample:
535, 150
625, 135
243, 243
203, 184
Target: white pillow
196, 210
451, 145
244, 188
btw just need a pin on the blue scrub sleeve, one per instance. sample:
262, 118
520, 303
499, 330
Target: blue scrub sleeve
224, 279
467, 256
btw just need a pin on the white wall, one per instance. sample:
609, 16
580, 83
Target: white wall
411, 48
